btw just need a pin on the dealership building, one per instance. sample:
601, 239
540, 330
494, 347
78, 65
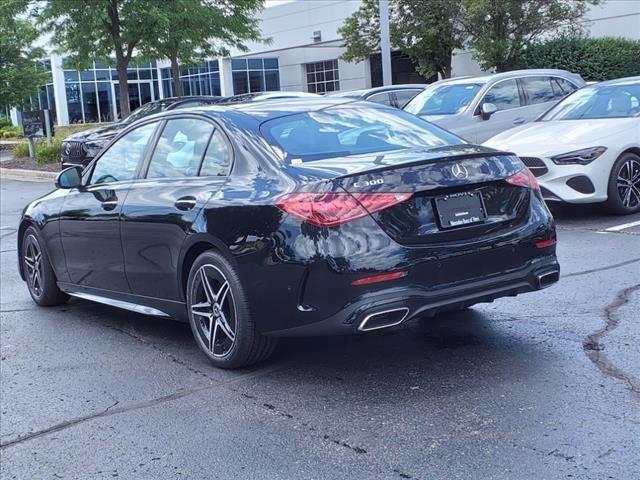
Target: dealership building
303, 55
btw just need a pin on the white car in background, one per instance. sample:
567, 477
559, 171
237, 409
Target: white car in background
586, 149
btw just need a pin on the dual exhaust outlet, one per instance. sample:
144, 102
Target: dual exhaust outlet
547, 279
384, 319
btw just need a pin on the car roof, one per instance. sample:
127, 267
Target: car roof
194, 98
275, 108
482, 79
365, 92
618, 81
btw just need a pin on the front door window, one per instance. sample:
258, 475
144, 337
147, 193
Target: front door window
121, 160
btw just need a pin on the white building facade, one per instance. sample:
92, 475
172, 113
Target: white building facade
303, 55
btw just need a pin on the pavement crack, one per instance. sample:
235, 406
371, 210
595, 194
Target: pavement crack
594, 346
600, 269
115, 410
165, 354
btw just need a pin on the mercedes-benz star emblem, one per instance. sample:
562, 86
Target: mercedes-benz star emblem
459, 171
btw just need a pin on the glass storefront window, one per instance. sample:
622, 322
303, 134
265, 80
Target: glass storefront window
74, 102
105, 102
70, 76
90, 103
255, 75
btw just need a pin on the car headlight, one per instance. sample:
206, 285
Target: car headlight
93, 148
579, 157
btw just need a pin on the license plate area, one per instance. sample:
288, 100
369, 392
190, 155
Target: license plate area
460, 209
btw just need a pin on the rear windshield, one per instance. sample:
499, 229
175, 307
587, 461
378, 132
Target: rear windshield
444, 99
350, 130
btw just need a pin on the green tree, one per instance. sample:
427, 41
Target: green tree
426, 30
20, 71
189, 31
499, 31
87, 30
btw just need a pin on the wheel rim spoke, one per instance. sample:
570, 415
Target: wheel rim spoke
202, 309
212, 335
225, 327
206, 286
222, 293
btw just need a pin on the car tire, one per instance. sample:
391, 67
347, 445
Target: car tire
220, 316
627, 165
40, 277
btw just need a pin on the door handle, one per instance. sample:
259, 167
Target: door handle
109, 204
185, 203
519, 121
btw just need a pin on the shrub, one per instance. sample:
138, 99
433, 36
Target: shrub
9, 132
596, 59
4, 122
21, 150
45, 153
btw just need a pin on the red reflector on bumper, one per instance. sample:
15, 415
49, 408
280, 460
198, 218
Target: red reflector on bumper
546, 243
378, 278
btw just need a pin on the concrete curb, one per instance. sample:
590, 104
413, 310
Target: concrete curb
26, 175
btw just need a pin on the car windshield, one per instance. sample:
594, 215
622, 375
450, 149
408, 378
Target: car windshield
145, 110
336, 132
598, 101
444, 99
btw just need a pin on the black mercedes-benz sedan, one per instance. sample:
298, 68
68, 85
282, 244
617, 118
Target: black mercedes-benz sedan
80, 148
288, 218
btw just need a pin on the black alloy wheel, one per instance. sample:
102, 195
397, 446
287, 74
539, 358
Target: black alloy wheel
219, 315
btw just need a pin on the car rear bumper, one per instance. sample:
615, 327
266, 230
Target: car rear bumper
389, 307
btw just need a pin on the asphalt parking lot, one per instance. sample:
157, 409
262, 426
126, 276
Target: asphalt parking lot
544, 386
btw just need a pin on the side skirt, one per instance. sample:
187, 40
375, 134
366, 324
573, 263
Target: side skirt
136, 303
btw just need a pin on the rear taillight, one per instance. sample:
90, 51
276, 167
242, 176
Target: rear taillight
334, 208
524, 178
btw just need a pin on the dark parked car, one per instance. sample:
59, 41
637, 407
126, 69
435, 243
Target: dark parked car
260, 96
393, 95
80, 148
296, 217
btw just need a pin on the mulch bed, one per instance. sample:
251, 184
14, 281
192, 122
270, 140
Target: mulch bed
28, 164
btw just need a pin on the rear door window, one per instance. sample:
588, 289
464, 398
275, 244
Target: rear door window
504, 95
403, 97
538, 90
561, 87
180, 148
217, 159
383, 98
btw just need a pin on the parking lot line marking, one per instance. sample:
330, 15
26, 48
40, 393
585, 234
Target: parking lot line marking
617, 228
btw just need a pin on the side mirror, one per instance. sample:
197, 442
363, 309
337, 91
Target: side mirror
69, 178
487, 110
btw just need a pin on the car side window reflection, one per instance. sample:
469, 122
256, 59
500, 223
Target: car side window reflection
180, 148
217, 160
121, 160
504, 95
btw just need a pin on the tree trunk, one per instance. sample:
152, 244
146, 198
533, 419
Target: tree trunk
121, 65
122, 60
175, 74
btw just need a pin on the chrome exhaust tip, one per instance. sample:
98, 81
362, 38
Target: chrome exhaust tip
383, 319
547, 279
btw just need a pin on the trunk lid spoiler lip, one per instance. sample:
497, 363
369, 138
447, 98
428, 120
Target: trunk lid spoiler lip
330, 172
